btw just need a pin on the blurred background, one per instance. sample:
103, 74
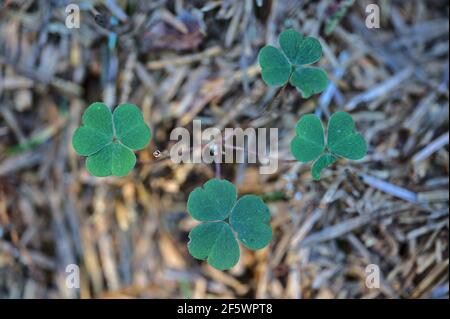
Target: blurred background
182, 60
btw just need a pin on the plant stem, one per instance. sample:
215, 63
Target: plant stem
218, 172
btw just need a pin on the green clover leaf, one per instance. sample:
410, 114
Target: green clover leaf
278, 67
342, 141
109, 139
223, 216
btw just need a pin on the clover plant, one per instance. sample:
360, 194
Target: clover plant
110, 139
225, 218
291, 63
342, 141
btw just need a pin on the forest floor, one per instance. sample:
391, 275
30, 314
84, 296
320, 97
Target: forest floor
183, 60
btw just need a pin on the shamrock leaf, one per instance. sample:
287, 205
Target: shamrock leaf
223, 219
108, 140
342, 141
278, 67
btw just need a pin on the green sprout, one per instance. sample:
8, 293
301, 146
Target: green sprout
290, 64
223, 216
337, 16
109, 139
342, 141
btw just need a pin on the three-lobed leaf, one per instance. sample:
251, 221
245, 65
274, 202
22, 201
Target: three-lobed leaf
279, 67
109, 139
342, 141
214, 240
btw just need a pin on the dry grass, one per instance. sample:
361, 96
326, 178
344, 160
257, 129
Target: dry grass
129, 235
